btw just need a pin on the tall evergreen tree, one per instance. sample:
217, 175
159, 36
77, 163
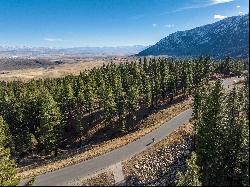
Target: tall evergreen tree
50, 123
210, 136
7, 165
192, 175
7, 169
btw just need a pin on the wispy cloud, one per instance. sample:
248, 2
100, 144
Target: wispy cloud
53, 39
217, 16
238, 6
169, 25
240, 13
154, 24
214, 2
203, 5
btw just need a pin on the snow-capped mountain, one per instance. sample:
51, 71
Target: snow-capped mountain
229, 36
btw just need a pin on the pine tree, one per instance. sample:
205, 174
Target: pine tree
5, 136
7, 165
79, 108
210, 136
122, 112
231, 140
157, 82
186, 78
50, 123
89, 95
7, 169
147, 90
207, 69
222, 136
120, 101
109, 105
242, 161
192, 175
145, 65
66, 103
164, 77
226, 66
242, 168
198, 95
133, 99
15, 117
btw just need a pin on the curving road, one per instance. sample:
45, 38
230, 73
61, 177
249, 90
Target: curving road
85, 168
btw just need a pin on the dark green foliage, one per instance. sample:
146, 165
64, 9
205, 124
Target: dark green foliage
222, 135
7, 169
192, 176
7, 165
209, 135
46, 115
49, 117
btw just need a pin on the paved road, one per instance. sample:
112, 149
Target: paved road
90, 166
228, 83
85, 168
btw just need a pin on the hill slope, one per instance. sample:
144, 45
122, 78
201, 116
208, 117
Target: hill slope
229, 36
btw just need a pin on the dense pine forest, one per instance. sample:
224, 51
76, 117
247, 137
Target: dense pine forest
42, 116
221, 138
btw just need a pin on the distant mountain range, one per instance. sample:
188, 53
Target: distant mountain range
229, 36
7, 51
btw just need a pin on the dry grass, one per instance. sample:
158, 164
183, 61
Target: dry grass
150, 123
51, 72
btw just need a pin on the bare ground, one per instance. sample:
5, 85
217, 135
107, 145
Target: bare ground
105, 178
52, 71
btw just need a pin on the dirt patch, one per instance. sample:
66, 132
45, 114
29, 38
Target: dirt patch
103, 179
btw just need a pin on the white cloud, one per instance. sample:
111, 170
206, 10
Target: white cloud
214, 2
198, 5
217, 16
203, 5
240, 13
53, 39
154, 25
169, 25
238, 6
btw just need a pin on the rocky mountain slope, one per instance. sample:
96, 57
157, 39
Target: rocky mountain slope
229, 36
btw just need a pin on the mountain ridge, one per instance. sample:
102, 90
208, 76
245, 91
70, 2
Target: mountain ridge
229, 36
89, 51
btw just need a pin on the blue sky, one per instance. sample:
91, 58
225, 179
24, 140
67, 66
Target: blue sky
74, 23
